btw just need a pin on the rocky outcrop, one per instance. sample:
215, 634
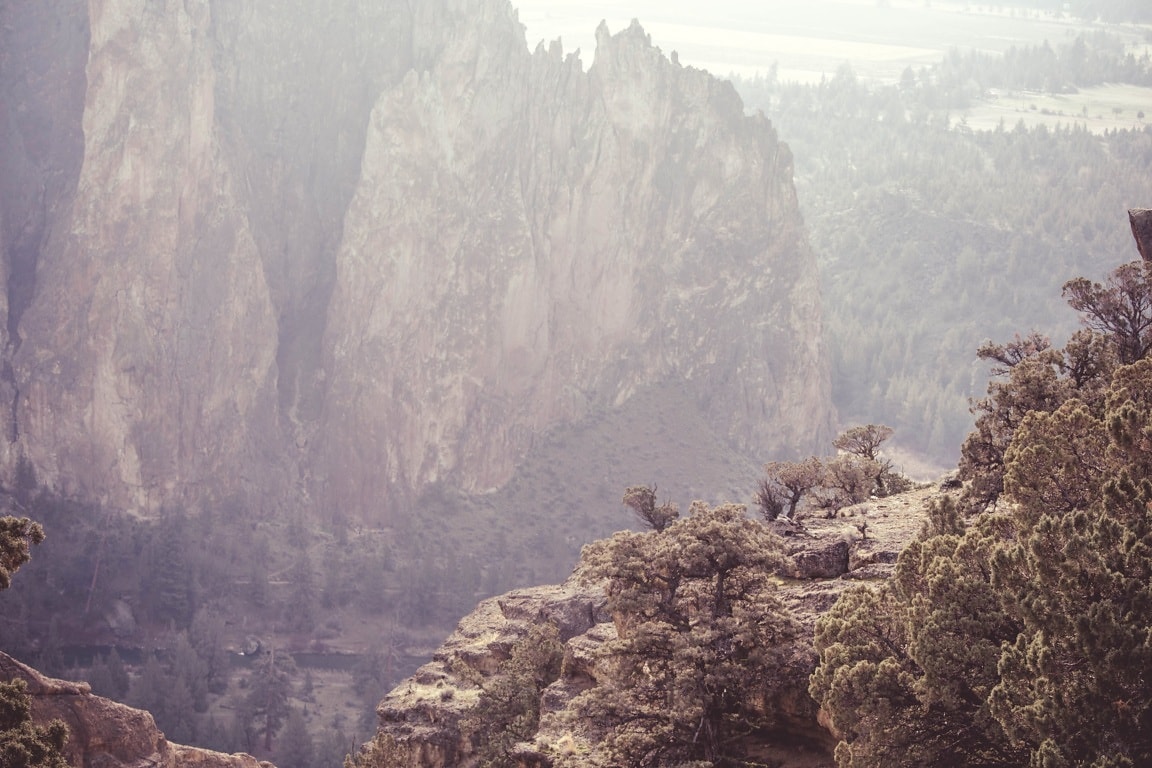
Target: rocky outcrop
107, 734
425, 714
288, 254
1141, 221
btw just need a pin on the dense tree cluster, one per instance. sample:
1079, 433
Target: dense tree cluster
1021, 635
701, 641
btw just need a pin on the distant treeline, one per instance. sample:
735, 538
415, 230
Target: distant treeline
933, 238
1087, 61
1106, 10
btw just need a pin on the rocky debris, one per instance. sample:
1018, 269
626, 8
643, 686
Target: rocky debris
105, 734
859, 545
822, 560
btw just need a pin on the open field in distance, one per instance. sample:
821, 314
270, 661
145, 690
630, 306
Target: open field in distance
810, 40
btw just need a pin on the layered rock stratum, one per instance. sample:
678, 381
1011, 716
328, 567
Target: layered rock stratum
290, 254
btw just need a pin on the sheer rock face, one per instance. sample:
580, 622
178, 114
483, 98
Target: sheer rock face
283, 254
104, 733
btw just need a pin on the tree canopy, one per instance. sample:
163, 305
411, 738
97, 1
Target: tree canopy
17, 535
701, 636
1020, 636
23, 744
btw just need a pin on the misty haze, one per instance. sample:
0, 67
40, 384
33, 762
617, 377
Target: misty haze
474, 383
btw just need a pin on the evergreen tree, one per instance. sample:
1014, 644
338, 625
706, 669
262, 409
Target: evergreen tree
149, 691
641, 499
785, 484
1074, 683
701, 635
295, 749
17, 536
23, 744
118, 675
270, 693
190, 669
300, 611
1024, 637
905, 671
206, 635
863, 440
170, 592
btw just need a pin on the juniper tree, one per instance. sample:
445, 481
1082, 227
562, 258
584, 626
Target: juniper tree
17, 536
23, 744
509, 708
702, 638
863, 440
1075, 684
785, 484
641, 499
906, 670
1023, 639
1030, 375
1120, 308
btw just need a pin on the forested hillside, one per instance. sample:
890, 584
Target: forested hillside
934, 237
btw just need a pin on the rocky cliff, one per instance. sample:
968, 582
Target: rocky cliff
428, 717
106, 734
323, 255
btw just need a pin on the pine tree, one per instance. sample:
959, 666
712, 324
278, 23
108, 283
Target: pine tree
206, 635
270, 693
190, 669
296, 748
149, 691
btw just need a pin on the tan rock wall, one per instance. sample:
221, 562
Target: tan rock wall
321, 255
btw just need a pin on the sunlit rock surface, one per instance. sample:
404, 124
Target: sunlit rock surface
286, 253
106, 734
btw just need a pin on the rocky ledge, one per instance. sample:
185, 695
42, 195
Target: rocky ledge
427, 715
106, 734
